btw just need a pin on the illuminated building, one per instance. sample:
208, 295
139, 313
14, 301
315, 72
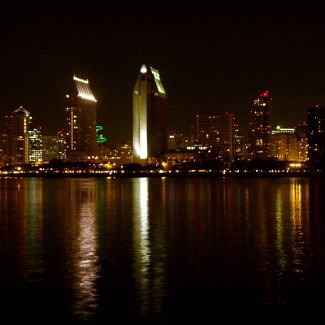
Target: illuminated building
15, 137
208, 130
285, 146
301, 135
81, 122
120, 155
260, 127
177, 141
238, 146
227, 122
35, 145
149, 115
316, 134
217, 132
50, 148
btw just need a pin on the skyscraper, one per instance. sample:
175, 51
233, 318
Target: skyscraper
81, 121
316, 134
15, 137
260, 130
149, 115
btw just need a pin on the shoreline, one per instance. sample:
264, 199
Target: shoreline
163, 175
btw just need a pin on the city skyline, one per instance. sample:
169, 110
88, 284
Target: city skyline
214, 58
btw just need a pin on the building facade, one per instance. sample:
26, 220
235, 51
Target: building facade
81, 122
15, 137
35, 145
285, 145
149, 116
260, 127
217, 133
316, 134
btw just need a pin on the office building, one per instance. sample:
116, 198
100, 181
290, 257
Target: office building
50, 148
35, 145
301, 133
208, 130
218, 134
15, 137
81, 122
149, 116
260, 129
285, 145
316, 134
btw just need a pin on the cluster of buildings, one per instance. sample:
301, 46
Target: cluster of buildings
221, 137
213, 137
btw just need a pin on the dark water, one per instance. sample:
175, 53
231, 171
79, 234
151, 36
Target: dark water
162, 251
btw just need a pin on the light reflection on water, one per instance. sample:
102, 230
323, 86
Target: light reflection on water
86, 301
142, 250
160, 249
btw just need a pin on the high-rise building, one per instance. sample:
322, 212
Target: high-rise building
208, 130
260, 129
217, 132
35, 145
15, 137
285, 145
149, 115
227, 123
316, 134
302, 138
50, 148
238, 141
62, 144
81, 121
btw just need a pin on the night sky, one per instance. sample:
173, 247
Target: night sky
212, 56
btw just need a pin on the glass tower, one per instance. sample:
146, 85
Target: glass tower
149, 115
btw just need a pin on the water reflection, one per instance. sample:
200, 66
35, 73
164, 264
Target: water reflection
84, 212
147, 248
297, 228
142, 249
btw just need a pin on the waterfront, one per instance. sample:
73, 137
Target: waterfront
162, 250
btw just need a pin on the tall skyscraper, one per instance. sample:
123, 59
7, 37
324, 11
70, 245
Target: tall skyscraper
260, 130
81, 121
15, 137
149, 115
316, 134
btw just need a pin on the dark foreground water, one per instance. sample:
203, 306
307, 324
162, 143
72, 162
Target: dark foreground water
162, 251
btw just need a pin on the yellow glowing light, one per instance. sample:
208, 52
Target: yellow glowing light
158, 81
81, 80
84, 90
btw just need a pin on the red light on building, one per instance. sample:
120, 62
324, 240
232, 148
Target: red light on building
264, 94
